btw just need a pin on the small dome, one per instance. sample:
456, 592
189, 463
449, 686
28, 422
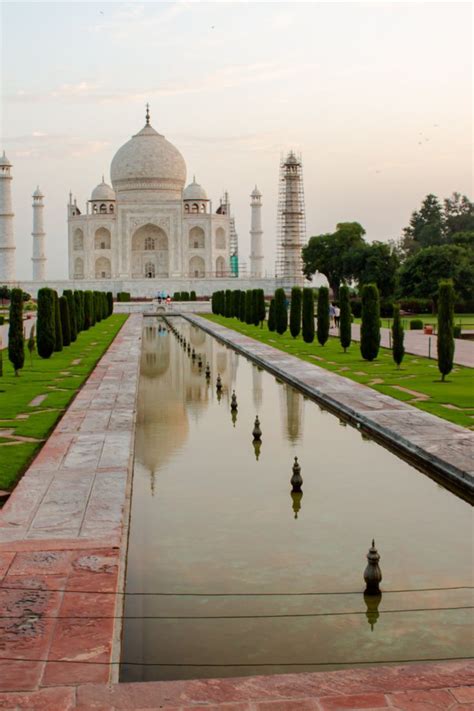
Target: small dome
148, 161
38, 193
4, 160
103, 192
194, 191
256, 193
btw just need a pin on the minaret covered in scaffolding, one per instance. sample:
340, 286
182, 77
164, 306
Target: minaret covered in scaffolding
224, 209
291, 224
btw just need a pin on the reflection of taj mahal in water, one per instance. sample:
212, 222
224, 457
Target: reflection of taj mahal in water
148, 225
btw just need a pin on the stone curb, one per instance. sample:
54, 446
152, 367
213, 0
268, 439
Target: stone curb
440, 468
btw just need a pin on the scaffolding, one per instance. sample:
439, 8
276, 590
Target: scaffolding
224, 209
291, 222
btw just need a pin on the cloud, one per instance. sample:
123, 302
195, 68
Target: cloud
229, 77
43, 145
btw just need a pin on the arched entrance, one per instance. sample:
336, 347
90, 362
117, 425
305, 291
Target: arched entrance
197, 267
150, 253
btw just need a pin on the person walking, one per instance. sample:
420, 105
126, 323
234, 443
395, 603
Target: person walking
331, 315
337, 315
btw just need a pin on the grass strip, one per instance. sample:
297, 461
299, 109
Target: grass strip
419, 377
58, 379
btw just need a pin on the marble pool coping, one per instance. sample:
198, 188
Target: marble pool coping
440, 448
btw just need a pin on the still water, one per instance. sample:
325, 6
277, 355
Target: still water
240, 577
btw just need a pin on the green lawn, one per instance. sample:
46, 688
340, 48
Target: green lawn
452, 400
466, 321
58, 379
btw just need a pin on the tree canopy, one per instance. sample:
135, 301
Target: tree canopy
328, 254
421, 273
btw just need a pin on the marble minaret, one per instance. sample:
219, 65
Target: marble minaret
256, 232
39, 252
7, 235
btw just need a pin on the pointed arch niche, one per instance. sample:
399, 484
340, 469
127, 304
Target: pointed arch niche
150, 252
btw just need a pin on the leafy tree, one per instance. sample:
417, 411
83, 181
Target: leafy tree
242, 306
249, 306
398, 350
271, 316
328, 254
458, 216
5, 293
308, 315
16, 344
88, 306
31, 343
445, 328
370, 326
426, 226
295, 311
420, 274
345, 317
45, 326
72, 313
281, 311
322, 312
65, 320
58, 344
374, 263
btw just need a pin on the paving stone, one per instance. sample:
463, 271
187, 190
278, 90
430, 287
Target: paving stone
60, 699
359, 701
422, 700
464, 694
41, 563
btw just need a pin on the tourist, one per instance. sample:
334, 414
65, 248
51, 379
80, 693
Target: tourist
331, 315
337, 315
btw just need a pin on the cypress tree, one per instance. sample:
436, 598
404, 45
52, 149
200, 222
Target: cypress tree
31, 343
228, 303
242, 306
370, 326
16, 342
345, 322
271, 316
236, 303
255, 307
82, 296
58, 343
1, 362
398, 351
445, 328
281, 312
193, 296
72, 313
110, 303
45, 327
261, 306
77, 309
65, 320
87, 310
323, 315
295, 311
308, 315
249, 306
97, 306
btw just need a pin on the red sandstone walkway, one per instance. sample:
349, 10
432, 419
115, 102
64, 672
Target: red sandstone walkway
63, 538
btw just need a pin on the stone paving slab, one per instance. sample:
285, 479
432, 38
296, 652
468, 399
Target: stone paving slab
62, 536
435, 444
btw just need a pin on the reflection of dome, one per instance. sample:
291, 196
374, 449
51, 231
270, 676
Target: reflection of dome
194, 191
148, 162
103, 192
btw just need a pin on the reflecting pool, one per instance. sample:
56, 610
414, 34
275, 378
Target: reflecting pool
230, 574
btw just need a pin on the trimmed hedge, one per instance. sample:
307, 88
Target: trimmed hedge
416, 324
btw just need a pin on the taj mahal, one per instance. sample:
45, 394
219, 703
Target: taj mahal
149, 231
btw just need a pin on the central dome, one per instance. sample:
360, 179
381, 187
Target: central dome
148, 162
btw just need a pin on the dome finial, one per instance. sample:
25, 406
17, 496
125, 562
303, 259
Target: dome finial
147, 115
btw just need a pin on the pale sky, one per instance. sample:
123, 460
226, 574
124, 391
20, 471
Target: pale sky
376, 96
